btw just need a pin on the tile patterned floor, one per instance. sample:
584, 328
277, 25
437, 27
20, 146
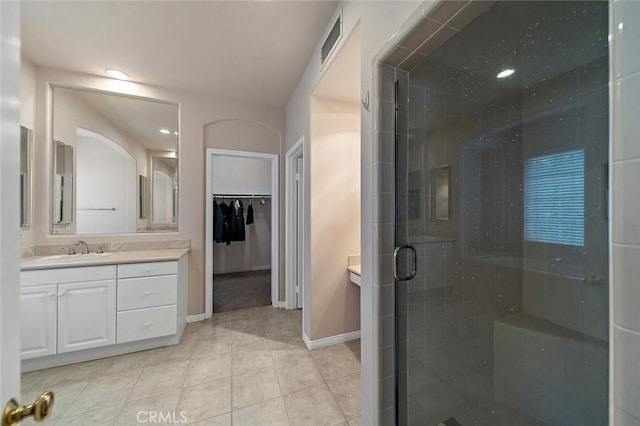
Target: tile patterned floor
247, 367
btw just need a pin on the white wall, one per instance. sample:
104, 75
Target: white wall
333, 306
379, 23
234, 175
196, 114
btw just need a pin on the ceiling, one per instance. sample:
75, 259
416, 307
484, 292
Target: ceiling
251, 51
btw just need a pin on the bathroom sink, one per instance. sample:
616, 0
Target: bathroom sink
71, 258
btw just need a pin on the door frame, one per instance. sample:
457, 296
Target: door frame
275, 233
291, 222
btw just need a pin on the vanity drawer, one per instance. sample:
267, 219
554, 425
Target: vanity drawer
68, 275
146, 292
147, 269
147, 323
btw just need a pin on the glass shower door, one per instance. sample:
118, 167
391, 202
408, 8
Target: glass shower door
501, 209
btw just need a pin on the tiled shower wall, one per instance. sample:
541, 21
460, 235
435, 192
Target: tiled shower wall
625, 205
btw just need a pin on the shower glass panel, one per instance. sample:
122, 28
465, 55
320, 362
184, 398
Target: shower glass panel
501, 189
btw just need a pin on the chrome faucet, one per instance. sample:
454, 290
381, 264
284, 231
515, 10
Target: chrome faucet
85, 247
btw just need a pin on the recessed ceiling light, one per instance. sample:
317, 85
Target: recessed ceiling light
117, 74
505, 73
165, 131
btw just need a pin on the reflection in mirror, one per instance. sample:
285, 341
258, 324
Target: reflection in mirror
439, 188
26, 141
164, 190
115, 140
62, 183
142, 190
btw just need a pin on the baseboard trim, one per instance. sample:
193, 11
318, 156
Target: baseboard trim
331, 340
279, 304
196, 318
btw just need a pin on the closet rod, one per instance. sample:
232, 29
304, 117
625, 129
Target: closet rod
240, 196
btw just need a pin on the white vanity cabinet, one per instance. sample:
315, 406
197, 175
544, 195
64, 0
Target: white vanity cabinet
67, 309
38, 318
123, 303
86, 315
147, 298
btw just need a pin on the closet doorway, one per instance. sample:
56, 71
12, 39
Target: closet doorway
251, 178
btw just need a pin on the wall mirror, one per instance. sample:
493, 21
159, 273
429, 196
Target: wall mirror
62, 183
26, 143
112, 141
439, 189
164, 195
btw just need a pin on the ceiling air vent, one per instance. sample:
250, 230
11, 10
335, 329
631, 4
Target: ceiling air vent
332, 40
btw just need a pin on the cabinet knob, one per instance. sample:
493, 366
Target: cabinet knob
146, 293
146, 324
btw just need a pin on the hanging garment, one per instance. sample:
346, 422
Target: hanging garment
250, 214
239, 234
231, 220
226, 215
218, 223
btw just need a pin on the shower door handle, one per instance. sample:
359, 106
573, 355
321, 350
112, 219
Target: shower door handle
414, 261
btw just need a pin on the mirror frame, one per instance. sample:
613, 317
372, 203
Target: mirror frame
56, 229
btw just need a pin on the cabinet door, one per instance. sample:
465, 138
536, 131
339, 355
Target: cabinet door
38, 311
86, 315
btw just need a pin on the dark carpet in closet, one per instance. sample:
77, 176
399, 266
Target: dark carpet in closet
241, 290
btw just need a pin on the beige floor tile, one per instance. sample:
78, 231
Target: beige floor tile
221, 420
355, 421
206, 400
249, 338
298, 375
170, 354
285, 332
44, 379
64, 395
268, 413
104, 392
213, 367
211, 344
313, 406
284, 353
274, 316
254, 387
247, 360
123, 363
158, 409
213, 328
336, 363
346, 391
158, 379
100, 417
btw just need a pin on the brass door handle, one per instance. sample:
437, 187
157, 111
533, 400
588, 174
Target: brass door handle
40, 410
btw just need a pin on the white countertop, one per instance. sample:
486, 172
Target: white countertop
356, 269
118, 257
